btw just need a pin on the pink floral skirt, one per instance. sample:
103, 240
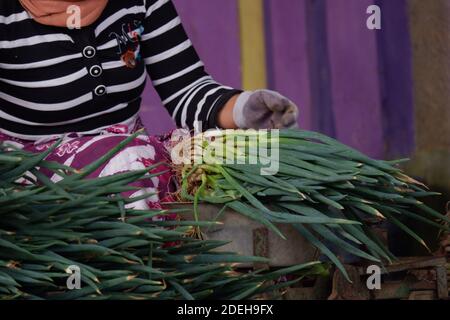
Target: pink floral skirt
77, 151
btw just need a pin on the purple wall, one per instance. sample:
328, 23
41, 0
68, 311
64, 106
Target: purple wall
287, 54
216, 38
355, 76
350, 82
395, 63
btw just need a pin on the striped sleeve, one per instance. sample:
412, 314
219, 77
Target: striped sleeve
187, 91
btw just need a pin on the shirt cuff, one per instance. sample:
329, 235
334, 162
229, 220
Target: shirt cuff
212, 122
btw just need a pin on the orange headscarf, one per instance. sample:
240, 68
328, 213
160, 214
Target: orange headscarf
54, 12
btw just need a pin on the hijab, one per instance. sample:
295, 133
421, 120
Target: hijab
57, 12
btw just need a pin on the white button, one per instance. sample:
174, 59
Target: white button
100, 90
95, 71
89, 52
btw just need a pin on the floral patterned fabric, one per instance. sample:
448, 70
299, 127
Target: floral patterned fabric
77, 151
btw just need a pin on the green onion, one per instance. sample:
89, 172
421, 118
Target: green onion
335, 192
122, 253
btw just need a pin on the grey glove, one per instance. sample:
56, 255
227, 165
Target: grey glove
264, 109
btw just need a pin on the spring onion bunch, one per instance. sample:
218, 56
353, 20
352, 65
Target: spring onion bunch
331, 193
47, 228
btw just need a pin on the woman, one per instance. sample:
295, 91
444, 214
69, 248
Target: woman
86, 84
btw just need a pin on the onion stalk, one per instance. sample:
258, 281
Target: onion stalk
122, 253
330, 193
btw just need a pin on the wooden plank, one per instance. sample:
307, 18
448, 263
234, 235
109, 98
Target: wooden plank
320, 290
392, 290
345, 290
253, 48
427, 274
423, 285
409, 263
422, 295
416, 263
442, 284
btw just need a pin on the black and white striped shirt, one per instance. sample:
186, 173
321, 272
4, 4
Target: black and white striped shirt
54, 80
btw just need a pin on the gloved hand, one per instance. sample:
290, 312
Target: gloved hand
264, 109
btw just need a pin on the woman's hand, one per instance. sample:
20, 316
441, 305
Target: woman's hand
261, 109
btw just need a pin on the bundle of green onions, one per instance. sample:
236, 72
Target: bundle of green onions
47, 228
328, 191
